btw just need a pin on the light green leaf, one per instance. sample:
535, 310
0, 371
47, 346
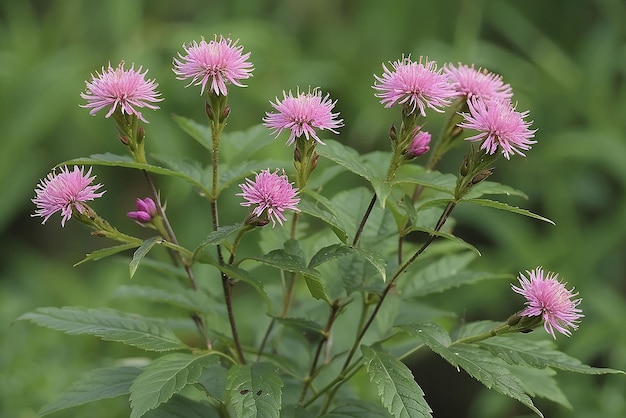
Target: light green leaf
503, 206
183, 298
254, 391
109, 325
141, 252
480, 364
397, 389
106, 252
213, 381
515, 349
164, 377
201, 133
182, 407
346, 157
98, 384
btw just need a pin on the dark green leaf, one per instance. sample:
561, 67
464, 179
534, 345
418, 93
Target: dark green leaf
98, 384
213, 381
322, 211
243, 275
330, 253
222, 233
397, 389
231, 174
448, 236
106, 252
164, 377
108, 324
301, 324
181, 407
432, 180
201, 133
141, 252
358, 410
508, 208
491, 187
345, 156
540, 382
254, 391
376, 260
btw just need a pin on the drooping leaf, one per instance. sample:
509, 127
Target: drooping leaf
109, 325
329, 218
514, 349
164, 377
141, 252
330, 253
503, 206
478, 363
540, 382
345, 156
182, 407
183, 298
106, 252
397, 389
358, 275
254, 391
201, 133
98, 384
222, 233
213, 381
374, 259
301, 324
448, 236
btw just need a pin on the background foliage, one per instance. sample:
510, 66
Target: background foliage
566, 61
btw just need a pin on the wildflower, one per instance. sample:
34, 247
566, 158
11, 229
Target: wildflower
420, 144
127, 89
479, 83
499, 125
415, 84
146, 210
302, 115
270, 191
64, 192
213, 64
548, 298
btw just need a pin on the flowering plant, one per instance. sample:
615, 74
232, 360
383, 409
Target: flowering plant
340, 282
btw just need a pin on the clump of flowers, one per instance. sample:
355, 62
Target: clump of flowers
478, 83
65, 191
417, 85
272, 192
122, 90
499, 125
213, 65
302, 115
547, 297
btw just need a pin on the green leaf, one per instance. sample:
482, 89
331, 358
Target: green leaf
182, 407
358, 410
141, 252
254, 391
98, 384
374, 259
222, 234
382, 188
345, 156
515, 349
480, 364
432, 180
213, 381
106, 252
243, 275
230, 175
301, 324
503, 206
330, 253
183, 298
109, 325
540, 382
314, 209
491, 187
164, 377
201, 133
445, 273
282, 260
447, 236
397, 389
190, 169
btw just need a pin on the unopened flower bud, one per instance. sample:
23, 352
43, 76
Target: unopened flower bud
464, 169
124, 139
209, 110
481, 176
146, 211
420, 144
393, 135
141, 134
456, 131
297, 155
224, 114
314, 161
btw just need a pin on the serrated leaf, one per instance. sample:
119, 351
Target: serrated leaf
330, 253
106, 252
432, 180
164, 377
183, 407
282, 260
447, 236
358, 410
480, 364
540, 382
254, 391
382, 188
503, 206
539, 354
109, 325
325, 214
183, 298
397, 389
491, 187
222, 233
374, 259
345, 156
301, 324
201, 133
243, 275
98, 384
141, 252
213, 381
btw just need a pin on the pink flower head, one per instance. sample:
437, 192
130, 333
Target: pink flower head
499, 125
547, 297
127, 89
271, 191
146, 210
63, 192
420, 144
416, 84
469, 82
302, 115
213, 63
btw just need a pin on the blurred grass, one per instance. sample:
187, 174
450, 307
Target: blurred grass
565, 60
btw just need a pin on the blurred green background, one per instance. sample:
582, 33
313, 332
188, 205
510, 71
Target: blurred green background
566, 61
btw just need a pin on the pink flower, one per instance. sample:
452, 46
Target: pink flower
499, 125
270, 191
302, 115
547, 297
146, 210
127, 89
213, 63
480, 83
420, 144
414, 84
63, 192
